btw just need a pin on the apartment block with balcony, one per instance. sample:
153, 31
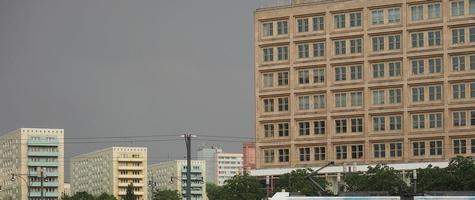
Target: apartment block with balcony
25, 153
364, 82
220, 166
172, 175
110, 171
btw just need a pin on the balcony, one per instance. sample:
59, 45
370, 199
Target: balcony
45, 184
45, 194
130, 167
43, 164
52, 154
127, 184
48, 174
43, 142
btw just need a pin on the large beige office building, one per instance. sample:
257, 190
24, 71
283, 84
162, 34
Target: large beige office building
24, 154
110, 171
364, 81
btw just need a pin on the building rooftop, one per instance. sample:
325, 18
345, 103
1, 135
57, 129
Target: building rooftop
280, 4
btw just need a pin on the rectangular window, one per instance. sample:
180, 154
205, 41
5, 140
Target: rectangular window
318, 23
378, 97
471, 31
268, 105
418, 121
269, 156
394, 69
357, 125
417, 94
355, 19
304, 154
304, 103
303, 50
268, 80
458, 91
283, 104
319, 101
319, 153
472, 90
339, 21
395, 123
319, 75
267, 29
283, 129
458, 63
302, 25
419, 148
283, 155
395, 96
435, 65
417, 67
435, 148
356, 151
458, 8
460, 146
378, 124
268, 130
340, 126
378, 70
435, 93
340, 100
434, 10
282, 28
283, 78
458, 36
434, 38
340, 73
377, 17
435, 120
378, 43
268, 54
341, 152
473, 146
304, 77
319, 127
472, 119
379, 150
304, 128
282, 53
416, 13
394, 15
394, 42
355, 46
356, 99
319, 49
340, 47
356, 72
459, 119
471, 4
395, 150
417, 40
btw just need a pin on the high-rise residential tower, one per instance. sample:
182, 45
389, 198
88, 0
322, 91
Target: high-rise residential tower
110, 171
220, 166
364, 82
26, 154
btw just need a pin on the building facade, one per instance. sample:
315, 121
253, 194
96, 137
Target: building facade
220, 166
364, 81
172, 175
110, 171
249, 156
26, 153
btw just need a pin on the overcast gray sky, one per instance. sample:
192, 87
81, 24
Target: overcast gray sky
128, 67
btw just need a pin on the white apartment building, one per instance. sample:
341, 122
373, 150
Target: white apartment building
25, 152
110, 171
172, 175
220, 166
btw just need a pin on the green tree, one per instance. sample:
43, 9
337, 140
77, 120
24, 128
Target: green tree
129, 195
81, 196
214, 192
295, 182
105, 196
378, 178
166, 195
243, 187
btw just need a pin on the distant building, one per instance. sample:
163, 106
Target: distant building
67, 189
172, 175
110, 171
24, 153
249, 156
220, 166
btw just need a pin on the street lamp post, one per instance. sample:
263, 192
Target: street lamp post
23, 179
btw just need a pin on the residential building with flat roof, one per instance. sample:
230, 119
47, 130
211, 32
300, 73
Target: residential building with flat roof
26, 153
249, 156
220, 166
110, 171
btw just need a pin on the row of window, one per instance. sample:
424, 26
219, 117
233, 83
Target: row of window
380, 151
418, 13
388, 123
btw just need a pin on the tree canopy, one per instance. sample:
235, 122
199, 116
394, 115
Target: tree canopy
237, 188
166, 195
295, 182
378, 178
87, 196
129, 195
